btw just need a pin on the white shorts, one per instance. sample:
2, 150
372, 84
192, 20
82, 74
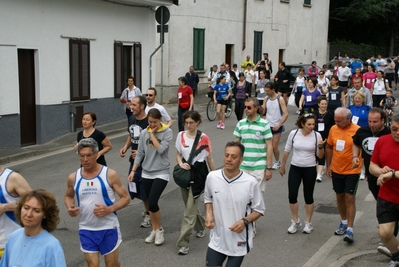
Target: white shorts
260, 177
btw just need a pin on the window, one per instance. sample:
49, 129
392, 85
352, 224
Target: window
285, 1
307, 2
199, 49
257, 46
123, 66
79, 69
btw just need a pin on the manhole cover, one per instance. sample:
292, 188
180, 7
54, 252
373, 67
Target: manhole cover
327, 209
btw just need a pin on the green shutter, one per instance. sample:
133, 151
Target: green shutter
257, 46
198, 48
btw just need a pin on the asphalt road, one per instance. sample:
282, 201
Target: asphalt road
273, 247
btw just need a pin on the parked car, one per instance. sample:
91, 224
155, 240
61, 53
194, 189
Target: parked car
294, 70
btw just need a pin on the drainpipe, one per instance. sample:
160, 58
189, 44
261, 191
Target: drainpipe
244, 32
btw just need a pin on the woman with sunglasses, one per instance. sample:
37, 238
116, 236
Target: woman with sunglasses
307, 145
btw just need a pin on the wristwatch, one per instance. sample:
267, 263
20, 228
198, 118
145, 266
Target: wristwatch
245, 221
269, 168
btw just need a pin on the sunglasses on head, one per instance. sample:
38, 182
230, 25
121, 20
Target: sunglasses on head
149, 95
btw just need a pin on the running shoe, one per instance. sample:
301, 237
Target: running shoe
341, 229
219, 125
308, 228
294, 226
151, 237
146, 223
200, 234
159, 239
348, 236
183, 250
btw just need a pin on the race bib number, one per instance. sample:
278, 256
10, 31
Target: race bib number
320, 127
261, 90
179, 95
367, 80
355, 119
371, 143
333, 96
309, 98
340, 145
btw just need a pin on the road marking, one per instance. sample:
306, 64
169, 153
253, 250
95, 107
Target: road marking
325, 250
341, 262
369, 197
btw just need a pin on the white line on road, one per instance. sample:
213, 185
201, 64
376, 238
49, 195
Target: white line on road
325, 250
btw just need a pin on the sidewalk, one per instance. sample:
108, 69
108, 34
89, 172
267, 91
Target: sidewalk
67, 140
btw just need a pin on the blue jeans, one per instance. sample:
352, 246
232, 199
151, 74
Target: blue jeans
180, 112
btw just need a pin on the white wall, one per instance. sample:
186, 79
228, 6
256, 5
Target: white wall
39, 24
291, 27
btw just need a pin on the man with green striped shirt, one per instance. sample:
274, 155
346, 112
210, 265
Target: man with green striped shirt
255, 134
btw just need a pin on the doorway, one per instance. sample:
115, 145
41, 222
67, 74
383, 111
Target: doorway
27, 96
228, 56
281, 55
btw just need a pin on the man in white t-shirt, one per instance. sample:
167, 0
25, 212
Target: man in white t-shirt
210, 77
233, 200
381, 63
344, 73
151, 95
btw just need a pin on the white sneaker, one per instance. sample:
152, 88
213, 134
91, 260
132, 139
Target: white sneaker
159, 239
146, 223
294, 226
362, 176
276, 165
150, 238
183, 251
384, 250
308, 228
200, 234
318, 178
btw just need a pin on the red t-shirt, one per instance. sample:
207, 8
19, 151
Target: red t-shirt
386, 153
183, 96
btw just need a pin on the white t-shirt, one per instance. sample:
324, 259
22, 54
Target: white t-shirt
379, 86
232, 200
210, 75
305, 148
344, 73
300, 81
185, 144
165, 116
324, 82
381, 64
249, 75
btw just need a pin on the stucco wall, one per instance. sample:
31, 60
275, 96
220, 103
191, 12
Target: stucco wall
39, 25
288, 26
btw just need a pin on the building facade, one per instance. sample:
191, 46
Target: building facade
207, 32
59, 59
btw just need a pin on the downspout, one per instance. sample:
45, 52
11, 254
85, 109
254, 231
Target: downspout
244, 32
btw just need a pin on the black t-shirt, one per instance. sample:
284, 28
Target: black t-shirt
135, 127
99, 137
361, 139
335, 101
328, 120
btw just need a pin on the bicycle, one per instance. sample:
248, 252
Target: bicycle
211, 107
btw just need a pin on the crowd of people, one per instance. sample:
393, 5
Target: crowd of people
341, 131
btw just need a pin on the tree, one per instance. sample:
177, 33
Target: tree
367, 21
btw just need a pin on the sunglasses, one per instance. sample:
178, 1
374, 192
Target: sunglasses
149, 95
248, 107
308, 114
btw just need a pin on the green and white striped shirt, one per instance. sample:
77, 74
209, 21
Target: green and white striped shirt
253, 136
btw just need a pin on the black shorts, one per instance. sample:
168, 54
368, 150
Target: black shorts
222, 102
279, 131
214, 258
343, 83
387, 211
284, 90
345, 183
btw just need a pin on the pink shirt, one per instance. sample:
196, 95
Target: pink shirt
368, 78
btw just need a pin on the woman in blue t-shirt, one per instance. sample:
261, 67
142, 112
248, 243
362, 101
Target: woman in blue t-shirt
308, 101
221, 96
359, 109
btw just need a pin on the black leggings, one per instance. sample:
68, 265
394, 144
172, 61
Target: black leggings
153, 189
295, 177
214, 258
239, 108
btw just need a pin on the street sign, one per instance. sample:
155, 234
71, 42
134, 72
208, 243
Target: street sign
162, 18
165, 28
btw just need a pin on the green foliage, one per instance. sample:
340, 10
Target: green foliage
366, 10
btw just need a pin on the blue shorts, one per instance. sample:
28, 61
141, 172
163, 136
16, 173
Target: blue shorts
139, 185
103, 241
